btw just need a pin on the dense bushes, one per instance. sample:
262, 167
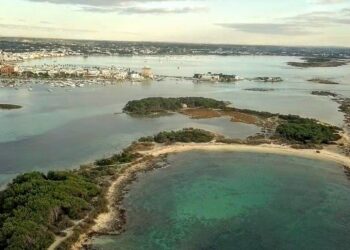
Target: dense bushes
306, 131
34, 205
261, 114
9, 106
124, 157
185, 135
158, 104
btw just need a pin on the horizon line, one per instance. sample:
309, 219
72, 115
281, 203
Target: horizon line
175, 42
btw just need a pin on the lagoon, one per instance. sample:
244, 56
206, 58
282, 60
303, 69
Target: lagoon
232, 200
68, 127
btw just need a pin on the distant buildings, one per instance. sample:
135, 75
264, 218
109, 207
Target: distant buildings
22, 49
73, 72
22, 56
147, 73
7, 70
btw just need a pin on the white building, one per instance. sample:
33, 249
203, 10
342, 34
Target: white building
135, 76
147, 73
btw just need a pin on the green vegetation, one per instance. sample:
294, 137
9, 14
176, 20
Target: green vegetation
289, 128
162, 105
345, 108
324, 93
306, 131
126, 156
35, 207
318, 62
261, 114
323, 81
259, 89
9, 106
186, 135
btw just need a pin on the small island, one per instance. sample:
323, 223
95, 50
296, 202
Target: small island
324, 93
216, 77
220, 77
312, 62
323, 81
259, 89
9, 106
268, 79
156, 105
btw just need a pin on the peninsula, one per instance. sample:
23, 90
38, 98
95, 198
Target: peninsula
311, 62
64, 209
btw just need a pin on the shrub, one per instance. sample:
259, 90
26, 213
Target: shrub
185, 135
160, 105
34, 205
306, 131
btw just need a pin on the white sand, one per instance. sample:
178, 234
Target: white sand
104, 220
265, 148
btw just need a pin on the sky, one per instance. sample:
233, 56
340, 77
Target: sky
265, 22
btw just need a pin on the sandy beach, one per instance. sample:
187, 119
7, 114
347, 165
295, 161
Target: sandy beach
104, 222
264, 148
113, 219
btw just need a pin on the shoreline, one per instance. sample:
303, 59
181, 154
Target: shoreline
323, 154
114, 220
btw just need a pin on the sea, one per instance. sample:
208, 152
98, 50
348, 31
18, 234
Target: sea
68, 127
218, 200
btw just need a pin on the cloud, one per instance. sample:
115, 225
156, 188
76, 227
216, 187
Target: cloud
85, 2
133, 6
99, 3
266, 28
146, 10
330, 1
42, 28
304, 24
322, 18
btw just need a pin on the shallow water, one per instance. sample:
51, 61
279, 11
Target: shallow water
237, 201
69, 127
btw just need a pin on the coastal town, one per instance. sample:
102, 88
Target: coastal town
13, 74
16, 76
74, 72
10, 67
10, 57
44, 47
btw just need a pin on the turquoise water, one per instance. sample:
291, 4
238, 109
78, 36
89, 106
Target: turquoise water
68, 127
237, 201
